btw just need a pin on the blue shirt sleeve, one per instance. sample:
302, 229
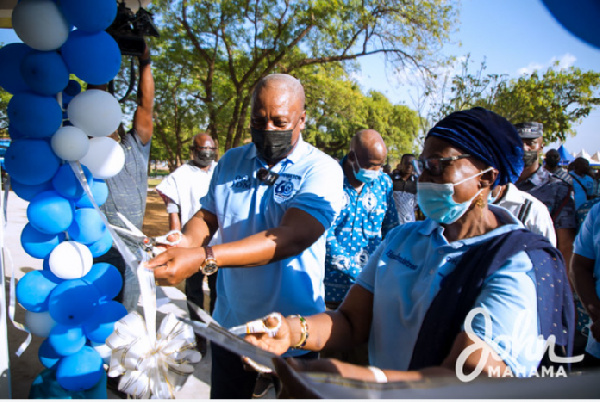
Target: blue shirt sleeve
321, 193
584, 242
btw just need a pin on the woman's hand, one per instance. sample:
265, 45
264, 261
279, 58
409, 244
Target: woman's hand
277, 344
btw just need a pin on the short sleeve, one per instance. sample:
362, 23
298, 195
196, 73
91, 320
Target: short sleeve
321, 194
208, 201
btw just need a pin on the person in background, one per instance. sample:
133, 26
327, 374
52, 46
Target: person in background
552, 165
367, 217
585, 276
271, 201
554, 192
452, 283
128, 189
182, 191
405, 189
583, 184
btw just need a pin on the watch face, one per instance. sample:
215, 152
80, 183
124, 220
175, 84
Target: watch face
210, 268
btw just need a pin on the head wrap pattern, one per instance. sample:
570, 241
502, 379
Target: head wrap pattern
486, 136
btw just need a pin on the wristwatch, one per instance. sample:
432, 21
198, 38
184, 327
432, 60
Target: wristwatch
210, 265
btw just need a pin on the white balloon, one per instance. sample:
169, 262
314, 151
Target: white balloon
40, 24
96, 112
70, 260
103, 350
105, 158
70, 143
134, 5
39, 324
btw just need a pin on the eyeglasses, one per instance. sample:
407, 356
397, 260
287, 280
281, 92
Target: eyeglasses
435, 166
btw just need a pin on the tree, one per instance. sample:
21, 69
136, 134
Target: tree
559, 98
232, 44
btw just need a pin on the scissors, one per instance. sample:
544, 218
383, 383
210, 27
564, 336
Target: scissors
148, 244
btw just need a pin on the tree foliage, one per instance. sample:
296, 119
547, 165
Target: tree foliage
216, 51
558, 98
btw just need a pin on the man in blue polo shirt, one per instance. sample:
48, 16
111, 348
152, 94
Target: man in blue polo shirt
272, 201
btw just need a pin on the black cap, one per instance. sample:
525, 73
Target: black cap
530, 129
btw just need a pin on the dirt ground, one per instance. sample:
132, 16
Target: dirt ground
155, 221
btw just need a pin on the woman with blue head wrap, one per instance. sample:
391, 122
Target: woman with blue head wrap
457, 294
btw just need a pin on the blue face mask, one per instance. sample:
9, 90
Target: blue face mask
437, 200
364, 175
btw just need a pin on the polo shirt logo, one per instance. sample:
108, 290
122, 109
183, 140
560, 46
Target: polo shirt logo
241, 181
401, 260
286, 187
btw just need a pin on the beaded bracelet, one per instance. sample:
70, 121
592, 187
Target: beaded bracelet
303, 332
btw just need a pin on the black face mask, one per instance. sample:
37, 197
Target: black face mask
272, 145
529, 157
552, 161
204, 158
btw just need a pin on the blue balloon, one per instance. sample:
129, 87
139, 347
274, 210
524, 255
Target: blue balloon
34, 115
45, 72
87, 226
580, 20
66, 340
102, 323
99, 191
14, 133
38, 244
73, 301
80, 371
72, 90
47, 355
31, 161
34, 288
11, 56
93, 57
101, 246
45, 386
50, 213
66, 184
107, 279
89, 15
28, 192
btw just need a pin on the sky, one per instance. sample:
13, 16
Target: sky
514, 37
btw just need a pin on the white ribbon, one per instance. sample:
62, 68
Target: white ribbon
151, 365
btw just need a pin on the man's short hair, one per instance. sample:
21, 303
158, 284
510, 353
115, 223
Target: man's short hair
287, 80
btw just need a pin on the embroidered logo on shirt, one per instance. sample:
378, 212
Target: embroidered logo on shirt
401, 260
286, 187
241, 182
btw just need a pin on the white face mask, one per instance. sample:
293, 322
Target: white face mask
437, 200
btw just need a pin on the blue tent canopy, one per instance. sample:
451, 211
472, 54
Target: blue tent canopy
565, 156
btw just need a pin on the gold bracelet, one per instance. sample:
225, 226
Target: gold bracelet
303, 332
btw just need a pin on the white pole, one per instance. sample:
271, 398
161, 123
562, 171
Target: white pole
5, 390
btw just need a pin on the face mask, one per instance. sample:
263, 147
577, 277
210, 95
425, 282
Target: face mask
272, 145
437, 200
364, 175
530, 157
204, 158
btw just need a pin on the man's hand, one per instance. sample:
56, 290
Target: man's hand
278, 344
176, 264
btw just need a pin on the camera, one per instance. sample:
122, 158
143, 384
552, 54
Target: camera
129, 28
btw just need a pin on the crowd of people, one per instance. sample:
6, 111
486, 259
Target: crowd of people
386, 276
